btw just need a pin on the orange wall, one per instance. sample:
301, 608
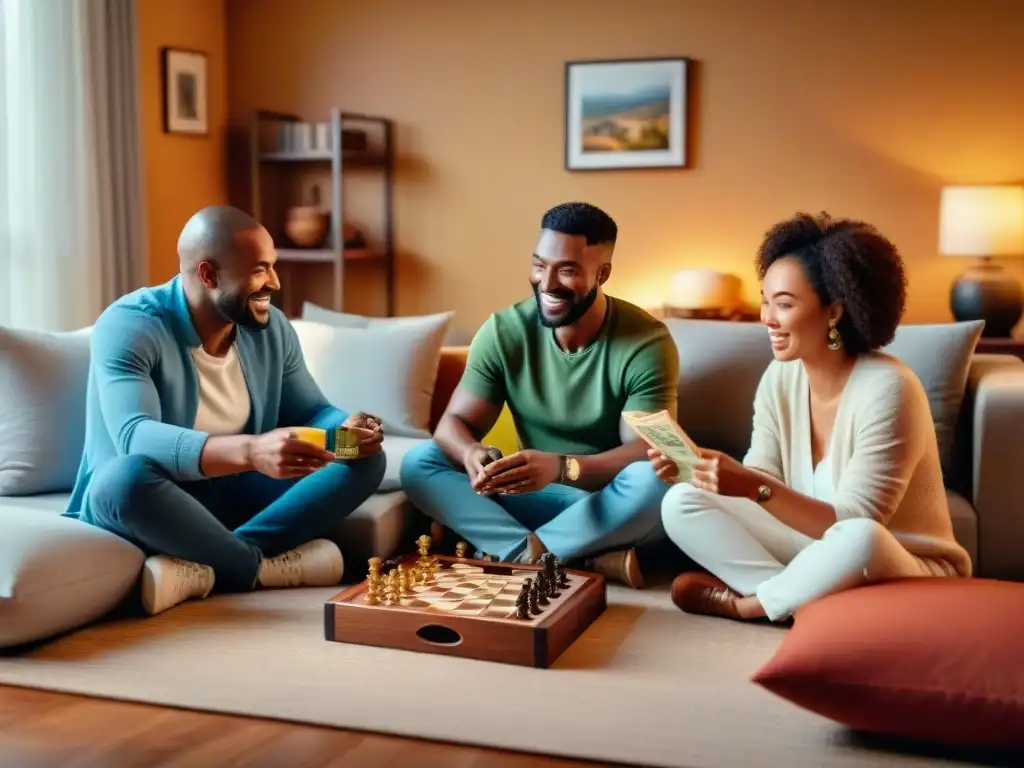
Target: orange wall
183, 173
862, 108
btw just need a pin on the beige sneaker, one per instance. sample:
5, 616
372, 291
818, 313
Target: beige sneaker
317, 563
622, 566
534, 549
168, 581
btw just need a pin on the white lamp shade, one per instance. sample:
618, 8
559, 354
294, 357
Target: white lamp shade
982, 221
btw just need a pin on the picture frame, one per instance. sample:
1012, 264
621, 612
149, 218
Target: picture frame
186, 92
627, 114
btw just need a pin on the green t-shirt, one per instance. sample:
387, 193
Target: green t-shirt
571, 403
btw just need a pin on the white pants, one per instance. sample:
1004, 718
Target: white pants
749, 549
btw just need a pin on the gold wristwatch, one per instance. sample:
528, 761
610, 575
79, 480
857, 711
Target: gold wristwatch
570, 469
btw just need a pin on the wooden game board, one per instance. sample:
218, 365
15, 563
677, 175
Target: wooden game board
468, 608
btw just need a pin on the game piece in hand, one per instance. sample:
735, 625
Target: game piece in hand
460, 549
493, 454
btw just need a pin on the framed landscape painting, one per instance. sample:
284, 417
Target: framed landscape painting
623, 114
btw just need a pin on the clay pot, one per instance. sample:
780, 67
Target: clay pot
306, 226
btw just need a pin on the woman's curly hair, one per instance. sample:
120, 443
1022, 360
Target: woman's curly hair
847, 261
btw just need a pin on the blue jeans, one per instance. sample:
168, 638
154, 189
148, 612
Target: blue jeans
572, 523
228, 523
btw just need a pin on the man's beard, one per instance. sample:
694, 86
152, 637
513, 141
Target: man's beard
237, 310
575, 309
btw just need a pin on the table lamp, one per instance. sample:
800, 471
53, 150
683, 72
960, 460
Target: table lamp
984, 222
703, 293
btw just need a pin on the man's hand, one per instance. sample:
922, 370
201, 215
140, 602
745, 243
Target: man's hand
369, 430
363, 421
522, 472
281, 454
478, 456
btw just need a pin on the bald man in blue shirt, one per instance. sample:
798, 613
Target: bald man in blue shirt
194, 389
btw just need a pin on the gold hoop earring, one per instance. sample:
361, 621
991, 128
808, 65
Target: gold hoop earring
835, 341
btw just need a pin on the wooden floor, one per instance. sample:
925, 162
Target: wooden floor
48, 729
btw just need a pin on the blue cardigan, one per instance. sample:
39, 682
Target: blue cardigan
143, 392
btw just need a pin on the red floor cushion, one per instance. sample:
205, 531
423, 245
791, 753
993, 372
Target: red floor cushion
940, 660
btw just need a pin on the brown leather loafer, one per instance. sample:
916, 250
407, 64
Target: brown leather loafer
622, 566
701, 593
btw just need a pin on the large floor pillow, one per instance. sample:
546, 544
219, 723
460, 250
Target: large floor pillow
938, 660
57, 574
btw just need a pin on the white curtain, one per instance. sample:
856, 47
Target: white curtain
71, 212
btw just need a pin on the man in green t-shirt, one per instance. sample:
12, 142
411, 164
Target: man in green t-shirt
567, 361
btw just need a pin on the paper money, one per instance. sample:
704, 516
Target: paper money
660, 431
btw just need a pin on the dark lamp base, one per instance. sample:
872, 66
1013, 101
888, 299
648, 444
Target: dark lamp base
986, 292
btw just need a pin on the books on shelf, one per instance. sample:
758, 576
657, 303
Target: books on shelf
296, 138
282, 139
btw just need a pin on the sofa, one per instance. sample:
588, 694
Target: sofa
58, 574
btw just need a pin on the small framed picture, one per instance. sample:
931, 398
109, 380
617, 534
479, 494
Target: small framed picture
626, 114
185, 92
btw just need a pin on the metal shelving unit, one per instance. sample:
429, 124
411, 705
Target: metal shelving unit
341, 160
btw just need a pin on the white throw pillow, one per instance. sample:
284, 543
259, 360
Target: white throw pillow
940, 354
387, 366
43, 378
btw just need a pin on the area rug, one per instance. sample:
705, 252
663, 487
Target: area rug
645, 684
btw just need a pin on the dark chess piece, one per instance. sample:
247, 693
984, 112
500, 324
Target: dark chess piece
552, 584
523, 603
548, 560
563, 579
534, 608
542, 588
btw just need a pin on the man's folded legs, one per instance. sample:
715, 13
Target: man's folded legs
237, 532
597, 528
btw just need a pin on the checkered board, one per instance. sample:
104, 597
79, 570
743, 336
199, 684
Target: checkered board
466, 590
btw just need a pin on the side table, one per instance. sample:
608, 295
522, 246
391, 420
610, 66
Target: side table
1001, 346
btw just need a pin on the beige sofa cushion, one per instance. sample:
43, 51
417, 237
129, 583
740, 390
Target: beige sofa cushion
384, 366
56, 573
940, 354
42, 411
720, 365
378, 528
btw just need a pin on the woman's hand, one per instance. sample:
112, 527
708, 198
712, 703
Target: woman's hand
720, 473
664, 467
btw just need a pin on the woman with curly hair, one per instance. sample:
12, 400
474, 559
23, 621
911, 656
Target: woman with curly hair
842, 484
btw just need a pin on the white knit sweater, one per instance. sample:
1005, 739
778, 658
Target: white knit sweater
883, 457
